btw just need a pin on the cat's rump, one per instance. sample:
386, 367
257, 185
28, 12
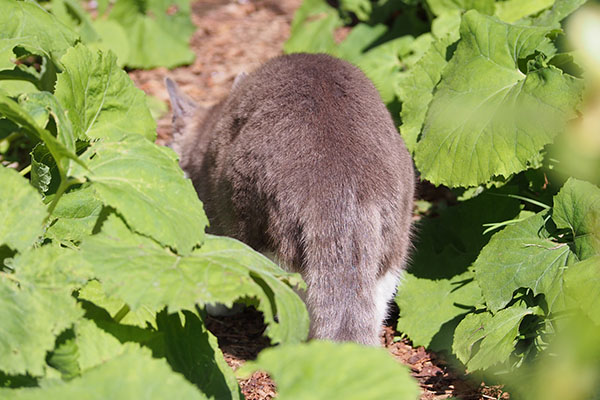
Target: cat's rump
303, 159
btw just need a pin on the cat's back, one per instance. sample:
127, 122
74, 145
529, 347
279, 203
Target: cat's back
318, 120
316, 93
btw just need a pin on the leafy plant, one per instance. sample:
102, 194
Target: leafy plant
113, 223
105, 267
143, 34
484, 92
306, 371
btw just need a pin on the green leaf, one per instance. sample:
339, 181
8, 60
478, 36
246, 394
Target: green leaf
358, 40
113, 37
101, 100
382, 65
22, 212
137, 178
95, 346
498, 332
94, 292
334, 371
72, 14
312, 28
75, 216
158, 32
582, 282
487, 117
41, 166
440, 7
143, 274
65, 356
51, 268
17, 114
44, 104
446, 25
577, 208
522, 256
514, 10
415, 89
431, 308
193, 351
450, 242
131, 375
28, 25
39, 309
361, 8
560, 10
31, 321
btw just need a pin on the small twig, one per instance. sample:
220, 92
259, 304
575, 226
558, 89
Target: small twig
25, 170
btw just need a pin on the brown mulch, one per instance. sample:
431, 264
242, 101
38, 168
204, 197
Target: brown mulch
241, 338
234, 37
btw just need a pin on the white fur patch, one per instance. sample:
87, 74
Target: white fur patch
384, 291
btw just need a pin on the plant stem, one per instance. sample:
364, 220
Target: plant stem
121, 313
25, 170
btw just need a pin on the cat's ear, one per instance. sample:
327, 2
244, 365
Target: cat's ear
238, 80
183, 107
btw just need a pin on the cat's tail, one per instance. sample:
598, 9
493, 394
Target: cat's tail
348, 284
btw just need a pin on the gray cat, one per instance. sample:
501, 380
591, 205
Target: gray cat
303, 160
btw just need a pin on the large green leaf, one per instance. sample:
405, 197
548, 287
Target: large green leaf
75, 215
36, 311
114, 38
143, 274
582, 282
158, 31
523, 255
139, 178
141, 317
51, 268
27, 24
448, 243
430, 309
101, 100
193, 351
326, 370
439, 287
415, 89
21, 211
498, 332
134, 374
577, 207
94, 345
488, 117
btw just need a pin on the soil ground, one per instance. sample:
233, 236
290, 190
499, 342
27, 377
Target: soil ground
234, 37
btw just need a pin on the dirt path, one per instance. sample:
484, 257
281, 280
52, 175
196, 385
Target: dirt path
238, 36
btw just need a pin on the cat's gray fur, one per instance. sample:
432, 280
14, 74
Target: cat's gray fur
302, 159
